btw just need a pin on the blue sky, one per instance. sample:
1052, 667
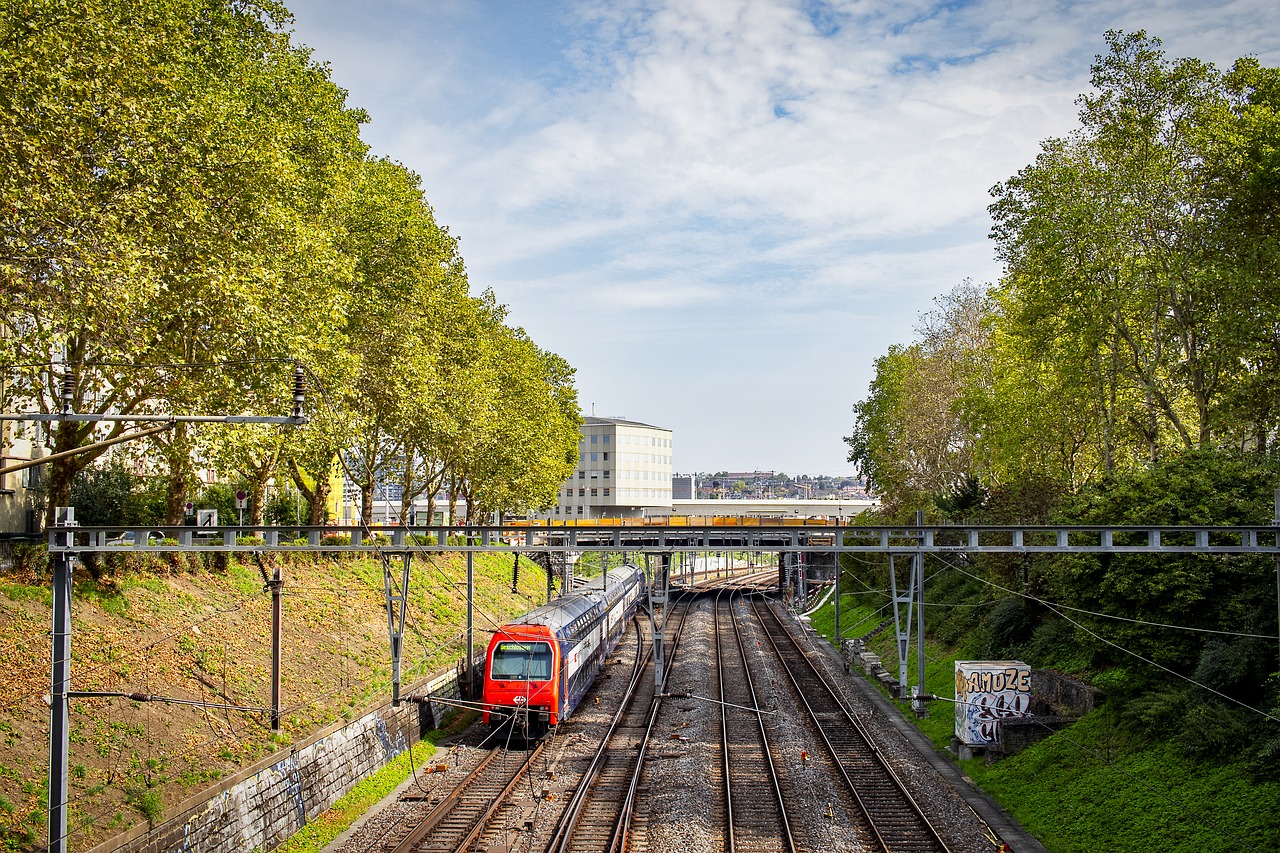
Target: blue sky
722, 211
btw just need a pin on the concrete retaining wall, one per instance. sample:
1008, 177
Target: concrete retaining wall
1063, 691
265, 804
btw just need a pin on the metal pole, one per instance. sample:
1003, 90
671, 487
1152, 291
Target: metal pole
276, 583
839, 546
59, 701
919, 567
471, 621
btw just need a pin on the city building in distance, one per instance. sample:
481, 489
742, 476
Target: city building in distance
624, 471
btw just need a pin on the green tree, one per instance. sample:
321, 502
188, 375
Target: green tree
912, 439
1116, 268
406, 266
169, 174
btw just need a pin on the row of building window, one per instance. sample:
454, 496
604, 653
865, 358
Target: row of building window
622, 493
622, 475
652, 441
653, 458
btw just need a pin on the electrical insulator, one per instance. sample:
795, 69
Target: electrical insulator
68, 390
299, 391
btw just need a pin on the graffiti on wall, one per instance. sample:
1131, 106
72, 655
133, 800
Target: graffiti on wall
987, 692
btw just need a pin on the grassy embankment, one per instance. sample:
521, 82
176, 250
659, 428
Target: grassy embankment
1088, 787
199, 629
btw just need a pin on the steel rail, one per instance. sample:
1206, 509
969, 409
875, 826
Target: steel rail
442, 808
622, 829
573, 808
563, 838
788, 839
479, 822
933, 840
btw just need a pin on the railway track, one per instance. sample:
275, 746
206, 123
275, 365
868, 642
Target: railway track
456, 821
894, 820
598, 816
755, 814
470, 817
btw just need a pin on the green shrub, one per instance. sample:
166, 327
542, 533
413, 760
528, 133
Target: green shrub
1153, 714
1211, 731
1010, 624
1054, 646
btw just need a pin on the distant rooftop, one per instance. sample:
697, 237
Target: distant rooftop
592, 420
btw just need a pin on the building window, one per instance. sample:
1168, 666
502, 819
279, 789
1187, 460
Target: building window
595, 474
582, 475
606, 439
606, 475
594, 492
582, 492
593, 456
606, 456
579, 510
606, 492
593, 439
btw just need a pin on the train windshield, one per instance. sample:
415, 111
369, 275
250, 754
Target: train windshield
521, 662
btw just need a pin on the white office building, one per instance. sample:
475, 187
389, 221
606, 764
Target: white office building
624, 471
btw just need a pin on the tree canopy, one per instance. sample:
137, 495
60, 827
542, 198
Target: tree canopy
186, 213
1135, 319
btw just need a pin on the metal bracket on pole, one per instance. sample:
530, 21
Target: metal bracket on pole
276, 584
901, 627
658, 589
836, 592
397, 598
471, 618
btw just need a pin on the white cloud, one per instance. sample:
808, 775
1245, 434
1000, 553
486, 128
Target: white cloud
657, 180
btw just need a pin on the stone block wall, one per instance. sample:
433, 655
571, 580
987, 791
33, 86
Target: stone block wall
1016, 735
265, 804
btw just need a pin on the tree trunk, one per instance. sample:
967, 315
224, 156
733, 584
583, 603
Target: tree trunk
315, 490
178, 456
68, 436
318, 504
366, 503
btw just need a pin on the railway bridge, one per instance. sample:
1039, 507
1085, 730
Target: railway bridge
654, 542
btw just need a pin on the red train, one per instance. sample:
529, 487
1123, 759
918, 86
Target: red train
539, 667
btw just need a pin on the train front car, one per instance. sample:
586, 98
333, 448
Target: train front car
539, 666
521, 687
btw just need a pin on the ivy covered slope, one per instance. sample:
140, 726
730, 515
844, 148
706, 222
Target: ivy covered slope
200, 630
1182, 753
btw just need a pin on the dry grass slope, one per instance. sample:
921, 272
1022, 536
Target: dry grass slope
184, 629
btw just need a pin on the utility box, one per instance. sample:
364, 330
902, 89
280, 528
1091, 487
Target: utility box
986, 692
